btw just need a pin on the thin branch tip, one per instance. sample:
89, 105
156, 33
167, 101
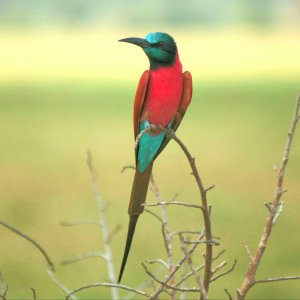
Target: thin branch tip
210, 188
275, 208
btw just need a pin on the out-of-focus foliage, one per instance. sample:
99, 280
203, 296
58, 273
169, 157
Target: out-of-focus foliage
132, 12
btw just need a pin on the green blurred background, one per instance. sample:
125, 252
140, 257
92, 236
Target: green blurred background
67, 85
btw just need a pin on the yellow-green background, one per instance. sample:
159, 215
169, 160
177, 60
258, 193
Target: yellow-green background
68, 88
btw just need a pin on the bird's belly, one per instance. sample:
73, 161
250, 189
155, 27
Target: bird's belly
163, 98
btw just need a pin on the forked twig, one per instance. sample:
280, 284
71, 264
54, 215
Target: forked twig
274, 211
191, 265
165, 232
224, 273
104, 227
60, 285
166, 285
184, 278
203, 191
164, 282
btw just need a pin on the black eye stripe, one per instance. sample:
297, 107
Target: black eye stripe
164, 47
158, 44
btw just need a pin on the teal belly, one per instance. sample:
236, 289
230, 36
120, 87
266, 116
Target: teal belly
148, 147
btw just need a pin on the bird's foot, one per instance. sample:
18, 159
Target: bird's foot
170, 134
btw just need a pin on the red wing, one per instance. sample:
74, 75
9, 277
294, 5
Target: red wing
186, 98
139, 100
185, 101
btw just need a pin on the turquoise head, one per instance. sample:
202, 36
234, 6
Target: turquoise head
159, 47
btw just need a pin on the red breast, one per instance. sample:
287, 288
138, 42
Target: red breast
163, 94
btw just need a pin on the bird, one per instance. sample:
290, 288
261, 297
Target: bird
163, 94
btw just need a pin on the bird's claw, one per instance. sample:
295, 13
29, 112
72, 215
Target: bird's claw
170, 134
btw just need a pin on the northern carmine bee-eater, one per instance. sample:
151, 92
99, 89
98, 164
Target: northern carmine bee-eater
162, 97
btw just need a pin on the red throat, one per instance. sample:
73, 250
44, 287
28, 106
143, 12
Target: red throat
163, 94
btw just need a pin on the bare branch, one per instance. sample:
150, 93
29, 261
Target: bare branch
109, 285
205, 211
202, 233
104, 226
274, 210
210, 188
33, 293
78, 258
204, 207
224, 273
153, 214
177, 266
164, 284
219, 267
212, 242
278, 212
32, 241
228, 294
114, 232
190, 263
59, 284
142, 286
183, 282
75, 223
165, 232
3, 288
277, 279
172, 203
248, 250
127, 167
200, 268
160, 261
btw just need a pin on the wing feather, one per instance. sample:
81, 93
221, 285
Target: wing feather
139, 100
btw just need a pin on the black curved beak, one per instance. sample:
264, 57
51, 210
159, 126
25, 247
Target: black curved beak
136, 41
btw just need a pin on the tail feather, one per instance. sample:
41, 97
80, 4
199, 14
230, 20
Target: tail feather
138, 197
139, 191
131, 229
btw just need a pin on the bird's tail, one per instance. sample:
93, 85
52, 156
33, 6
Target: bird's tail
138, 197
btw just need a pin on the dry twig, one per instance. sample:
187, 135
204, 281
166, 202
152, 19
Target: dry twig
104, 227
165, 232
60, 285
277, 279
3, 288
184, 278
29, 239
274, 210
33, 293
224, 273
106, 235
191, 265
170, 275
110, 285
203, 191
166, 285
162, 203
82, 257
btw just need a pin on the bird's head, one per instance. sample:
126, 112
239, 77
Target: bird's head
159, 47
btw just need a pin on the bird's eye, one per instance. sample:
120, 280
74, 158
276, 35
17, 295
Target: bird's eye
158, 45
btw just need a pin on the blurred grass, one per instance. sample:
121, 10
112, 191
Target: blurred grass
236, 128
94, 54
